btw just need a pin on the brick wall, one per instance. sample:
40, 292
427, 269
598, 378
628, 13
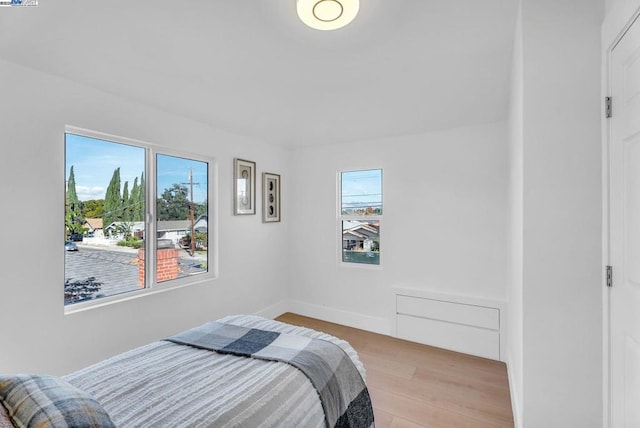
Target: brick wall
166, 265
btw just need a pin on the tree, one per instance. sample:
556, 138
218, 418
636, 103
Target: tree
173, 204
78, 291
136, 199
134, 210
72, 195
201, 209
112, 200
93, 208
73, 213
126, 209
141, 196
124, 228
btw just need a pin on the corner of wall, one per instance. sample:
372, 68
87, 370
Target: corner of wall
274, 310
352, 319
516, 406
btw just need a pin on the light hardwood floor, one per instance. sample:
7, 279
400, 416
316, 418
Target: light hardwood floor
413, 385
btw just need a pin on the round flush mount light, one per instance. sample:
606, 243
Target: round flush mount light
327, 14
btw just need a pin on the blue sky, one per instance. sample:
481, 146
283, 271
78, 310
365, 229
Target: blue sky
362, 186
95, 160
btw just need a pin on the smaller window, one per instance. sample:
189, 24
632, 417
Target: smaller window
360, 216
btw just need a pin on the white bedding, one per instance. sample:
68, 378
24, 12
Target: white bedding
168, 385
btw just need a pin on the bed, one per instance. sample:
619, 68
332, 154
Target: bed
184, 382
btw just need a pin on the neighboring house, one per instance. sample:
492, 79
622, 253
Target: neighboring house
359, 236
94, 227
167, 229
201, 224
173, 229
115, 229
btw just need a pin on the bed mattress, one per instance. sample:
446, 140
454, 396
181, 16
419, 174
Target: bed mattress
164, 384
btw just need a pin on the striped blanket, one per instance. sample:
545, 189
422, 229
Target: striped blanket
343, 393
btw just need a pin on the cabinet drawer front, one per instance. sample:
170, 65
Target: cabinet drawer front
459, 313
455, 337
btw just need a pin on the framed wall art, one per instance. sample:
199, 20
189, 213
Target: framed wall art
244, 184
270, 197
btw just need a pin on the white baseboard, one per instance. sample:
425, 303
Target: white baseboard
338, 316
274, 310
515, 403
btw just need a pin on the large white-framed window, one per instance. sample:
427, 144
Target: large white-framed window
360, 211
125, 200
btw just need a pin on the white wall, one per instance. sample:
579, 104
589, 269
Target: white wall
560, 239
36, 335
515, 334
620, 7
443, 228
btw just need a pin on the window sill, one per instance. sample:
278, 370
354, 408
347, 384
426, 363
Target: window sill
350, 265
159, 288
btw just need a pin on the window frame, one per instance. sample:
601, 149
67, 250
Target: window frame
340, 218
150, 245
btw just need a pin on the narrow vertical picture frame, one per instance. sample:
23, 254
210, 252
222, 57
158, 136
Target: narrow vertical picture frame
244, 185
270, 197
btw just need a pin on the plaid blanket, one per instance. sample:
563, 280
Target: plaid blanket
343, 394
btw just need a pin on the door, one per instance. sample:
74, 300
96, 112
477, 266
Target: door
624, 146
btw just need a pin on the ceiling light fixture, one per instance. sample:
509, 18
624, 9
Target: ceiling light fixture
327, 14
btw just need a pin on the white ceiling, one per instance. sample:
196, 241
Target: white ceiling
252, 68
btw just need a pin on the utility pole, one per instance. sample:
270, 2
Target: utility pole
192, 241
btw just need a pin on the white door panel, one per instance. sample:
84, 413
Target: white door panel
625, 231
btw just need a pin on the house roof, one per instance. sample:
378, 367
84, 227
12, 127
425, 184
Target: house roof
348, 233
162, 226
362, 230
170, 225
95, 223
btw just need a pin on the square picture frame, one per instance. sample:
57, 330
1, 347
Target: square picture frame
270, 197
244, 185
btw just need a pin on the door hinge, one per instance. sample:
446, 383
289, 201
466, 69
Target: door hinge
607, 107
609, 276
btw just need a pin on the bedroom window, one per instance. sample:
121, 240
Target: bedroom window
113, 188
360, 216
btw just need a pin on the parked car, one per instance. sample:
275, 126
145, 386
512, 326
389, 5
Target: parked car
70, 246
75, 237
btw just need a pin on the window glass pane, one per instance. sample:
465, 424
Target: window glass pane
182, 212
361, 242
361, 192
104, 213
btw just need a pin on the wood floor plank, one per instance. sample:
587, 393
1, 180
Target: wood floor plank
383, 419
466, 401
424, 358
421, 413
403, 423
403, 371
414, 385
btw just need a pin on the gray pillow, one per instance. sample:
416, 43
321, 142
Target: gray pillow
48, 401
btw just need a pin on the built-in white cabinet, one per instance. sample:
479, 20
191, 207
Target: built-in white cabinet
450, 322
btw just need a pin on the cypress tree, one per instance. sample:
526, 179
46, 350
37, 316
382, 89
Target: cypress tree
73, 215
134, 201
126, 209
72, 196
112, 200
142, 192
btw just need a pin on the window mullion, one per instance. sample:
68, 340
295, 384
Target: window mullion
150, 221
